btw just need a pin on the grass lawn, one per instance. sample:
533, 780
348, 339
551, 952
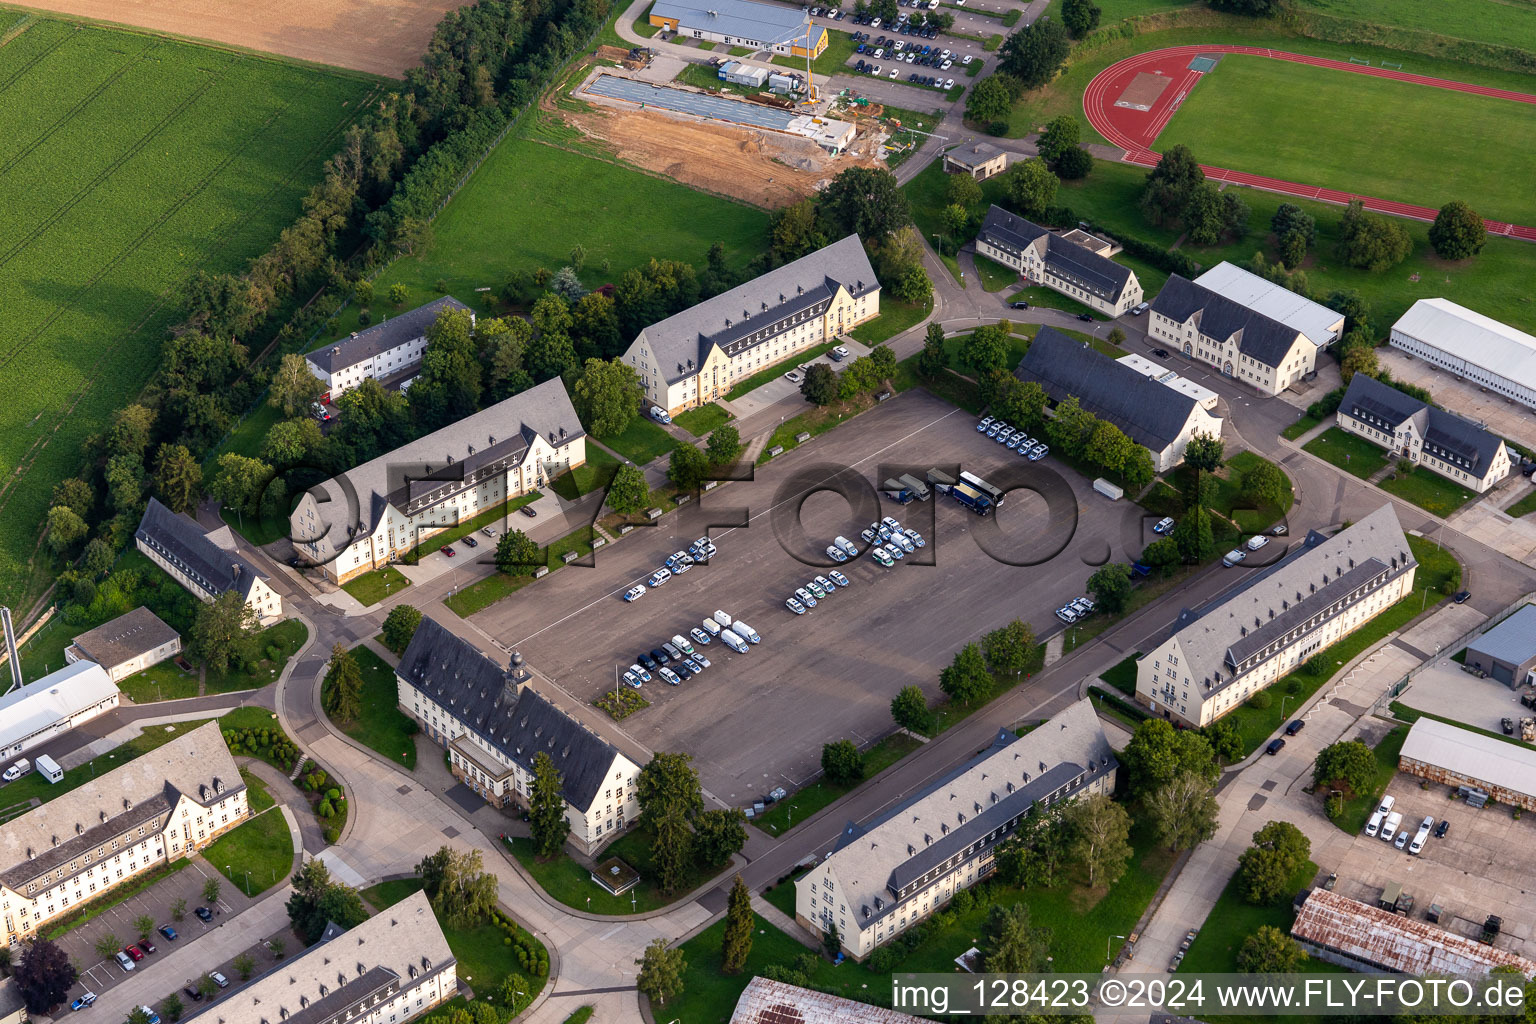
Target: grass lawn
895, 318
1036, 295
381, 725
165, 681
256, 794
1430, 491
994, 276
1524, 507
840, 47
955, 390
641, 441
778, 369
1350, 453
34, 786
373, 587
571, 883
1358, 808
479, 596
132, 161
818, 420
490, 517
277, 643
485, 958
505, 219
262, 846
1123, 675
1438, 575
1405, 156
807, 801
700, 421
1301, 426
1233, 919
587, 477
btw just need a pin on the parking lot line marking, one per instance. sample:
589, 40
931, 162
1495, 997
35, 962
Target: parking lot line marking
622, 587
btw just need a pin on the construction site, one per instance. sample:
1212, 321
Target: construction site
768, 148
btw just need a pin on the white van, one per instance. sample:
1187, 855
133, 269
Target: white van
1385, 807
1374, 825
733, 641
711, 627
1422, 835
745, 631
1390, 826
722, 618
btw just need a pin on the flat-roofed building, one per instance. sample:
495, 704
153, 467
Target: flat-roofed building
760, 26
698, 355
980, 160
33, 714
1215, 658
1161, 419
204, 562
1440, 441
375, 513
389, 969
1046, 258
885, 876
1507, 652
389, 349
1205, 397
129, 643
1234, 340
494, 724
1474, 347
1364, 938
1440, 752
161, 806
1321, 326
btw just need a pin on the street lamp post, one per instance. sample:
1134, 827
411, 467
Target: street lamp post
1282, 704
1108, 942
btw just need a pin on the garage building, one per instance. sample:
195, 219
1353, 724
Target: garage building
1494, 356
1343, 931
1507, 652
1443, 753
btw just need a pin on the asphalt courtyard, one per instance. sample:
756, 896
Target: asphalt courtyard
757, 720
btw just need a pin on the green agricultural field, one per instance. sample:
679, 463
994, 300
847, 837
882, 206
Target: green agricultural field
1260, 115
1482, 21
530, 204
127, 161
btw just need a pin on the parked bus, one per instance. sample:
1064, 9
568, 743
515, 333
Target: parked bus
991, 493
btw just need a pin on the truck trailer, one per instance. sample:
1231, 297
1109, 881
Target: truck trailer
916, 486
896, 491
943, 481
971, 499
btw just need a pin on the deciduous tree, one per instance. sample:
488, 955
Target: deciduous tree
224, 631
1061, 134
1264, 484
1204, 452
1158, 754
965, 679
1265, 869
1101, 833
1347, 763
1170, 184
865, 201
842, 762
628, 491
1458, 232
820, 384
1034, 54
462, 892
1370, 241
909, 709
517, 554
719, 833
1110, 586
607, 396
1269, 951
688, 468
65, 529
1031, 187
724, 445
1183, 811
1074, 164
985, 348
672, 848
294, 388
1291, 219
1008, 648
240, 481
400, 626
661, 972
1080, 17
989, 101
962, 190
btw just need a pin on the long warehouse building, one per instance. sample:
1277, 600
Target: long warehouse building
1479, 349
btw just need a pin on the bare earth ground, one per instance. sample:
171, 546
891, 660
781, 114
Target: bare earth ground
763, 168
382, 37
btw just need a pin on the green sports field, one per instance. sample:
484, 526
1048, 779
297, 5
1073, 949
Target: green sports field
1374, 136
127, 161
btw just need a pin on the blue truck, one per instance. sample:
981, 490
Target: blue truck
971, 499
897, 492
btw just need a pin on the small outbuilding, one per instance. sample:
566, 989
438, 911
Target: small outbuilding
1507, 652
981, 161
129, 643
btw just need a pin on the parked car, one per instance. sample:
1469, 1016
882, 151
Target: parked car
839, 353
1254, 543
671, 678
879, 555
1401, 840
805, 597
1275, 746
659, 577
194, 993
635, 592
640, 673
448, 550
1139, 308
795, 376
817, 589
794, 606
699, 636
529, 511
1164, 525
660, 415
681, 643
124, 960
1233, 557
489, 531
1161, 353
646, 661
218, 979
683, 671
673, 654
1085, 317
1390, 825
147, 946
470, 542
700, 660
203, 914
631, 680
1021, 304
1295, 727
836, 553
1442, 828
168, 932
134, 952
85, 999
984, 423
1462, 596
839, 578
1066, 614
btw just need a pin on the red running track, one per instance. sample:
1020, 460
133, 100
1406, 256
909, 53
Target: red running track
1135, 130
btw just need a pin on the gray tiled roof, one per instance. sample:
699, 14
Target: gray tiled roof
10, 997
736, 316
1151, 413
381, 337
125, 638
1513, 640
399, 946
190, 548
958, 813
973, 156
507, 714
1446, 436
1258, 337
1095, 274
141, 790
1307, 582
482, 442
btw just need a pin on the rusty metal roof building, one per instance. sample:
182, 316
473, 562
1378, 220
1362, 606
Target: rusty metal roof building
1369, 938
774, 1002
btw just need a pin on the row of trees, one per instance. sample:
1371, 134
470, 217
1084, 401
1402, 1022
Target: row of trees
823, 385
1177, 194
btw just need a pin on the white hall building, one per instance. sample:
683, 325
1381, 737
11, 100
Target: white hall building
373, 514
157, 808
696, 356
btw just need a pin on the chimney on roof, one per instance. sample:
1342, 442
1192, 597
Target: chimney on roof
234, 567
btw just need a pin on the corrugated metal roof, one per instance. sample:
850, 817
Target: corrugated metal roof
774, 1002
53, 698
767, 24
1320, 324
1396, 943
1472, 755
1513, 640
1468, 334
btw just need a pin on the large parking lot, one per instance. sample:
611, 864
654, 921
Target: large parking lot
1482, 866
757, 720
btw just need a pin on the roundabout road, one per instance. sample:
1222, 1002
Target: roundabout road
1135, 130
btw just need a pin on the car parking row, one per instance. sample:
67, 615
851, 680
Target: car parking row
1386, 825
1013, 439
